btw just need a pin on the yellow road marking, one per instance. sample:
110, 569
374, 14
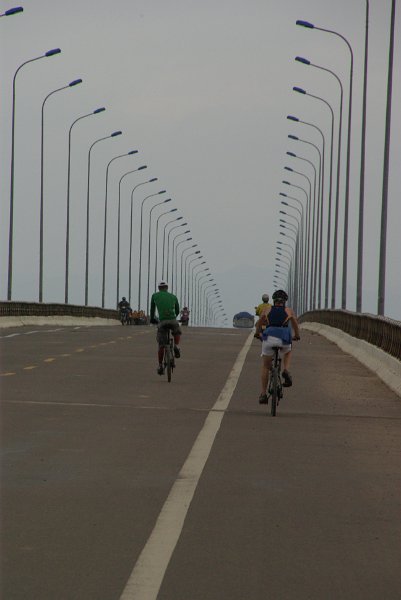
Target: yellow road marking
65, 355
80, 350
49, 360
6, 374
30, 368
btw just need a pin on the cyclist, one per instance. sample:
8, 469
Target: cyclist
168, 308
279, 319
184, 316
262, 307
259, 310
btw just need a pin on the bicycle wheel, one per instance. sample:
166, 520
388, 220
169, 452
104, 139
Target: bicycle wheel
168, 363
274, 392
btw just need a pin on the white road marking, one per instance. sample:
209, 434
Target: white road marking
11, 335
31, 332
146, 578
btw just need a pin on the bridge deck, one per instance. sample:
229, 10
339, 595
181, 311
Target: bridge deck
302, 506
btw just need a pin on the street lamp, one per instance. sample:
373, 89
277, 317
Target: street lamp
305, 61
173, 272
65, 87
308, 25
12, 11
119, 230
157, 239
176, 264
140, 245
319, 238
131, 152
168, 247
130, 231
11, 221
383, 226
183, 262
164, 241
302, 91
67, 235
150, 231
186, 270
112, 135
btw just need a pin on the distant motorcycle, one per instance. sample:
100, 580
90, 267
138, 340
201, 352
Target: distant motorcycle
125, 316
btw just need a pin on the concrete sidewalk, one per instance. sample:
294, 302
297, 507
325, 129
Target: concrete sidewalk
385, 366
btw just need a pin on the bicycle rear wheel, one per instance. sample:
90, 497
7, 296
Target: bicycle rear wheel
274, 392
168, 363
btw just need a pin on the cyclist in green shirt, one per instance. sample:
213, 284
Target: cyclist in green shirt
168, 309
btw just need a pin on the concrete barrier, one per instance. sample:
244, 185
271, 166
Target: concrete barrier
383, 364
65, 321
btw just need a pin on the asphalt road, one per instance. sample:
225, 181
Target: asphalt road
302, 506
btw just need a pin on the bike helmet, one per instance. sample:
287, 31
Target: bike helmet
124, 298
280, 295
265, 297
162, 285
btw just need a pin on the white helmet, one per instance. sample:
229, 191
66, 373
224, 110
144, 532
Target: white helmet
163, 284
265, 297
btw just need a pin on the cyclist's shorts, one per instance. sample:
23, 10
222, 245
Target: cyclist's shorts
270, 343
164, 326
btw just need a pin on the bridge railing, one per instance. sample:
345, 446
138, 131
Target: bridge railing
37, 309
379, 331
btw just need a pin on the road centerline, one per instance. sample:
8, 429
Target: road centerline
148, 573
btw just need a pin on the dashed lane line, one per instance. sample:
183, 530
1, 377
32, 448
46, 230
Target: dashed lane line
66, 354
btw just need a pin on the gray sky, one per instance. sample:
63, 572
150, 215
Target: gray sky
202, 90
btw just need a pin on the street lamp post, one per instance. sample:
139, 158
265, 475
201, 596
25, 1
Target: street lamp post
119, 234
176, 264
65, 87
320, 206
302, 91
346, 207
312, 241
114, 134
173, 254
149, 237
130, 233
67, 234
140, 245
168, 246
131, 152
157, 240
11, 221
183, 262
187, 266
337, 205
164, 241
383, 227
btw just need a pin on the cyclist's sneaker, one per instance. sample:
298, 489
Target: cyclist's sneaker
177, 352
263, 399
287, 379
160, 370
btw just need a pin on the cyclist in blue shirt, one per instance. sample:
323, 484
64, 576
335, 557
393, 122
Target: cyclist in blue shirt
277, 333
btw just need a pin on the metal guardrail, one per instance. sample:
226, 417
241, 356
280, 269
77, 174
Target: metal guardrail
379, 331
25, 309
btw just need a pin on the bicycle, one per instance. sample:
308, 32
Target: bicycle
168, 357
275, 386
